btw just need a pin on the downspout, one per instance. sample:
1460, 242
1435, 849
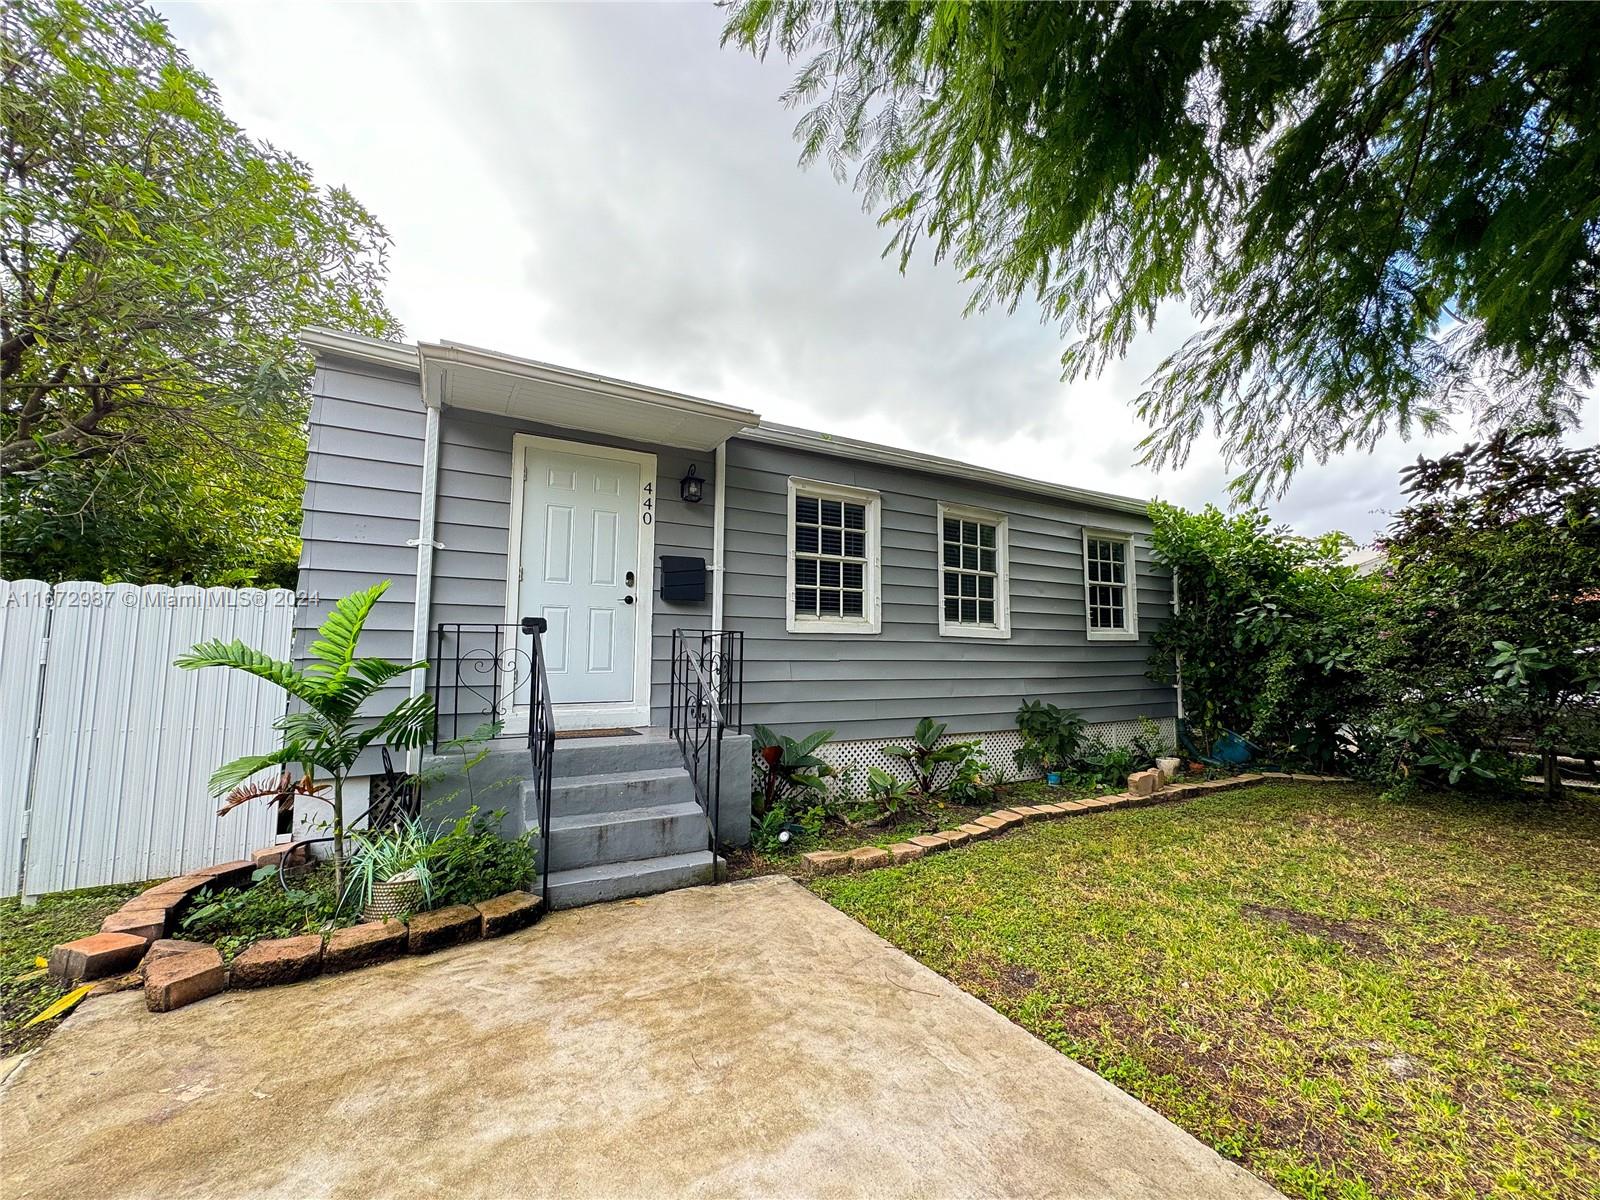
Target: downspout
1179, 656
422, 614
719, 517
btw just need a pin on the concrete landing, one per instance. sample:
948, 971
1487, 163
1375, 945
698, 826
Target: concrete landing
741, 1040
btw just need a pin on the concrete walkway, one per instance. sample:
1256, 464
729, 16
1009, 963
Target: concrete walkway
745, 1040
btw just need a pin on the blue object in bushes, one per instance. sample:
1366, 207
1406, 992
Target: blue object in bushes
1232, 749
1053, 778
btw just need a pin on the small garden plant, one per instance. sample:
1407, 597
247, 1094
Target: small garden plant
927, 758
233, 918
789, 803
801, 802
464, 861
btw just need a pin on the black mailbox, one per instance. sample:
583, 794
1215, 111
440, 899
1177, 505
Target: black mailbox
683, 579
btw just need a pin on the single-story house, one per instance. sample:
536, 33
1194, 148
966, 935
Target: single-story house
869, 586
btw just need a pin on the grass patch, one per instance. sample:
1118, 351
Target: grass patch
1353, 997
26, 933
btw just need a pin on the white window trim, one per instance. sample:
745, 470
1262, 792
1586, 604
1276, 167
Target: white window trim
1131, 633
1002, 584
871, 603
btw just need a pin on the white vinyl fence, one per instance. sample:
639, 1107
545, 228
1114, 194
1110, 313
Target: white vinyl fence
105, 746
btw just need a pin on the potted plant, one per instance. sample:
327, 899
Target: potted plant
389, 873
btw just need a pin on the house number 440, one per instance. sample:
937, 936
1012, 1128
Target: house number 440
648, 516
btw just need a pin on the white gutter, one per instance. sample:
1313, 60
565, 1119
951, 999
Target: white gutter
400, 355
605, 385
719, 526
840, 447
421, 617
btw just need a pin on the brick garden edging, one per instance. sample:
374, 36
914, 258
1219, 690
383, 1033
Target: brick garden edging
133, 948
1144, 787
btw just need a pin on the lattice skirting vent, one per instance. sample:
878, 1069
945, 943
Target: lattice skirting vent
851, 759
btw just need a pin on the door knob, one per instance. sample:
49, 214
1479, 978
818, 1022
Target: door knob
627, 599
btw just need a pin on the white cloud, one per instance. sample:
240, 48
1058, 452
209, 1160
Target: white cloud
604, 186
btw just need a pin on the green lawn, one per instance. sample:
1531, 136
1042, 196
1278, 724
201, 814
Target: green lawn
1352, 997
29, 932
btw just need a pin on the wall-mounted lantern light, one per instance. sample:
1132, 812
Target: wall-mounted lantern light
691, 487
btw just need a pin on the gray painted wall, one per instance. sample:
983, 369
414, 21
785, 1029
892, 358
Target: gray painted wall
363, 483
362, 501
473, 522
868, 686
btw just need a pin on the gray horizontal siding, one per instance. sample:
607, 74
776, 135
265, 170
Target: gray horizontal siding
362, 502
474, 525
363, 484
879, 685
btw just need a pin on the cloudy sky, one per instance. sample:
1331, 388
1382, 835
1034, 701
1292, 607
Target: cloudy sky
606, 188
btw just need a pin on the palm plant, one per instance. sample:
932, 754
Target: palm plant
326, 733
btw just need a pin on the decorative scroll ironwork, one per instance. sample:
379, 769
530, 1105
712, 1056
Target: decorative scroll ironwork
481, 675
485, 673
705, 699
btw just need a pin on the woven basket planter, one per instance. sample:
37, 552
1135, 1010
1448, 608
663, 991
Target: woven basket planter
393, 898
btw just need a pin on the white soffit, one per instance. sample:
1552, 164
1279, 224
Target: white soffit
466, 377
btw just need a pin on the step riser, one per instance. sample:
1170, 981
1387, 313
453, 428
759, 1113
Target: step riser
631, 879
576, 797
609, 756
623, 841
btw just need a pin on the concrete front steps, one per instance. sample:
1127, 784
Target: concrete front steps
623, 821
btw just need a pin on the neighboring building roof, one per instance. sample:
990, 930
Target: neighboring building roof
1366, 562
407, 357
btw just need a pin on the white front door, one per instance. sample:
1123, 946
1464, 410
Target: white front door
583, 513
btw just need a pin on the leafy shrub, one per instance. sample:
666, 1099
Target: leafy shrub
1265, 632
1475, 647
887, 796
1051, 736
976, 784
1488, 638
787, 770
233, 918
469, 860
1102, 765
1149, 744
925, 756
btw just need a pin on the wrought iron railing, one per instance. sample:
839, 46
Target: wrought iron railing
705, 699
482, 674
541, 746
493, 674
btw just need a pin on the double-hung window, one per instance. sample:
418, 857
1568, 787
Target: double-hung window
833, 559
1110, 597
974, 591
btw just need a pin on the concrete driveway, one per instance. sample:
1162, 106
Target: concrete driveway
745, 1040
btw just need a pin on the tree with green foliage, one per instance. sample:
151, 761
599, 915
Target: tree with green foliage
1490, 626
1379, 213
156, 265
1267, 631
327, 732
